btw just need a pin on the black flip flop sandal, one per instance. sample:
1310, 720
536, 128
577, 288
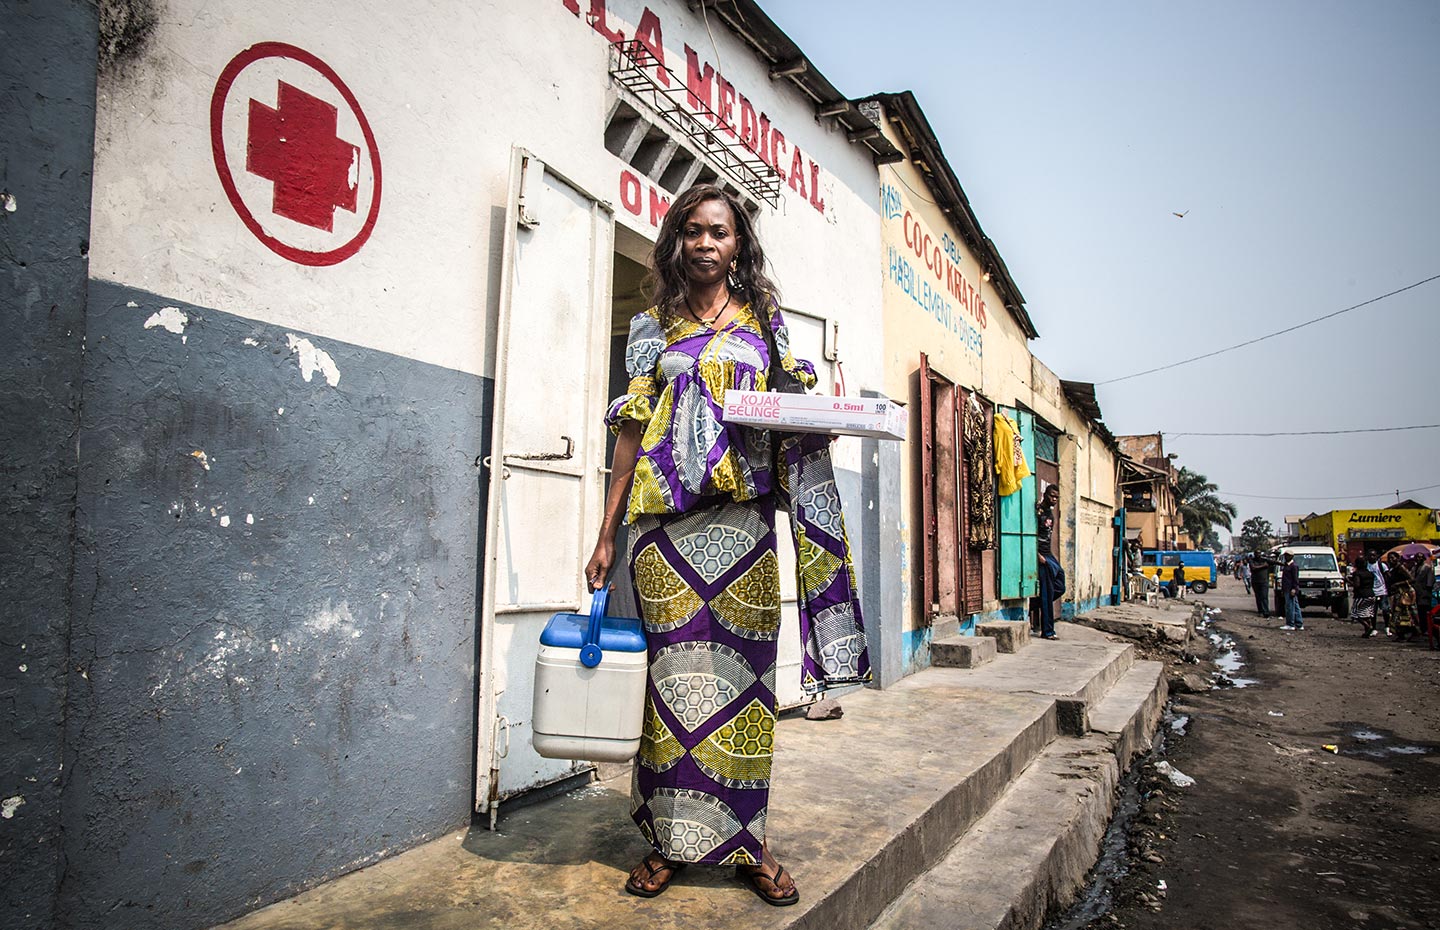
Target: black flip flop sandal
753, 879
653, 870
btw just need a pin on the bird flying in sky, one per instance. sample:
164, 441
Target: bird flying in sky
1181, 215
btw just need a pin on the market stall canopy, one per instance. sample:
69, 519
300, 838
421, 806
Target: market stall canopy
1413, 549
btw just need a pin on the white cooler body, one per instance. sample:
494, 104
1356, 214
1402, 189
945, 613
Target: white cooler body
588, 713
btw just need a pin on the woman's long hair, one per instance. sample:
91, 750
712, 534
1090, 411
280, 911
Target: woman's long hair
667, 283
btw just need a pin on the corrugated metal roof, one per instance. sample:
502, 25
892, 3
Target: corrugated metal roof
788, 62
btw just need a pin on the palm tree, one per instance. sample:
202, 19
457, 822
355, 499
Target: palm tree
1200, 509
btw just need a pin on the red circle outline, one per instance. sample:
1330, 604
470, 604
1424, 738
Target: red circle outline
222, 166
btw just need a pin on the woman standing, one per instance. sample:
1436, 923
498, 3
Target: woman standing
1402, 598
1362, 600
702, 497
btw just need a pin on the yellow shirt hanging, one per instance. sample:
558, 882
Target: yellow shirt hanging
1010, 465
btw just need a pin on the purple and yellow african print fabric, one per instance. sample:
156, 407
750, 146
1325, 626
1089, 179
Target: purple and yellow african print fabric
703, 561
679, 372
709, 589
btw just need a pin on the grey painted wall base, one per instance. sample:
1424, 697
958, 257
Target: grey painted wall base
47, 122
274, 636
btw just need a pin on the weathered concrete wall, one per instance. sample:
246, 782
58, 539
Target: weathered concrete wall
279, 508
46, 120
937, 302
274, 642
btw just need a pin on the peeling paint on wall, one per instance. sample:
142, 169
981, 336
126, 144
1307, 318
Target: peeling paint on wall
172, 319
313, 360
306, 646
334, 618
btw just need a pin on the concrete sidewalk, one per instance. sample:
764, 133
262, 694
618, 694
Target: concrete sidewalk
861, 808
1167, 622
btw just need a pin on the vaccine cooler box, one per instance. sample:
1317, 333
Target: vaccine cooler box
590, 686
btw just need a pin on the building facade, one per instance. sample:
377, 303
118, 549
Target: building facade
1148, 490
1352, 532
957, 350
330, 303
322, 305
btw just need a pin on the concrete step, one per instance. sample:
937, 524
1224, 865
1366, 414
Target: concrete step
962, 651
1166, 622
1030, 852
1130, 712
858, 806
1010, 635
1074, 672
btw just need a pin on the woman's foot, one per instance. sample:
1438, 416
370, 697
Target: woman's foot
769, 880
652, 876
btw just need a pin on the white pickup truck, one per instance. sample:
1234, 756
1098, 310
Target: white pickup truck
1321, 584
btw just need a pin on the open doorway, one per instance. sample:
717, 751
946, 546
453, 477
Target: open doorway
628, 297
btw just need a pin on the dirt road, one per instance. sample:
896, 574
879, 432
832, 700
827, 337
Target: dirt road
1278, 831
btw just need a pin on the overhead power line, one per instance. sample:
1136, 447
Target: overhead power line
1278, 332
1320, 432
1334, 497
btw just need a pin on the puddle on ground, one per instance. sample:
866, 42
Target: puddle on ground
1228, 660
1373, 743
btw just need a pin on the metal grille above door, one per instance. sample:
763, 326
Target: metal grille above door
674, 107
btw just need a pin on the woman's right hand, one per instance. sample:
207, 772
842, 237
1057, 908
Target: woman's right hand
598, 568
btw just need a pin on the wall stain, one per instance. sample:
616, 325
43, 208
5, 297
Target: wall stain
125, 28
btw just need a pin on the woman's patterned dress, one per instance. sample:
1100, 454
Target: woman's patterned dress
702, 557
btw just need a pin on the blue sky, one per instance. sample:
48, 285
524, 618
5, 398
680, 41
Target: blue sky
1303, 139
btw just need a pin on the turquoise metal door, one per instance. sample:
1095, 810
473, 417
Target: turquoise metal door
1019, 576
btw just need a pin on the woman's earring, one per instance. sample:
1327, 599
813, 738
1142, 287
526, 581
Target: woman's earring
733, 280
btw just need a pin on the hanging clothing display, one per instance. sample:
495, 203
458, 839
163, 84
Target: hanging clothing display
1010, 465
980, 473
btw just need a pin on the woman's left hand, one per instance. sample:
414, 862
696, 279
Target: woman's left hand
598, 569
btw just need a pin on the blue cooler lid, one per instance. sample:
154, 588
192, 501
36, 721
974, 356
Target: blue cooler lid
567, 631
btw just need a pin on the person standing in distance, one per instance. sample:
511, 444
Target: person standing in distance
1260, 569
1049, 569
1362, 599
1382, 592
1290, 590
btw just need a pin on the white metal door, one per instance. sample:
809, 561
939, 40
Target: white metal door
546, 448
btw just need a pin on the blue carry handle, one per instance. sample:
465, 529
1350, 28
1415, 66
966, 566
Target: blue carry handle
590, 652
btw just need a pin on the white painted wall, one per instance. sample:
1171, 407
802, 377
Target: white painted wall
448, 88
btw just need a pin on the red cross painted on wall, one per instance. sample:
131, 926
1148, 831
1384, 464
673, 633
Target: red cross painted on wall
295, 146
314, 147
